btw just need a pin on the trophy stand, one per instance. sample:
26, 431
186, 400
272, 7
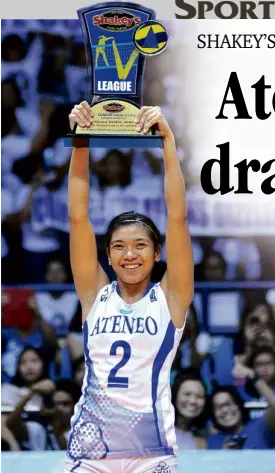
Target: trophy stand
118, 36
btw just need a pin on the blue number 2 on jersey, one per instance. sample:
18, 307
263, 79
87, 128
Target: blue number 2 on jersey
119, 381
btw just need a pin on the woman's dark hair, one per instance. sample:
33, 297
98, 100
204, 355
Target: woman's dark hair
77, 362
11, 80
58, 257
190, 374
210, 253
15, 43
125, 171
190, 333
234, 394
249, 386
70, 387
260, 351
130, 218
239, 342
18, 380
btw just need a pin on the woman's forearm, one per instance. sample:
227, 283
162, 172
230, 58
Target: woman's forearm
8, 436
14, 421
173, 181
79, 184
265, 391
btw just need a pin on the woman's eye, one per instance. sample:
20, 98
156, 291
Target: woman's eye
118, 247
141, 245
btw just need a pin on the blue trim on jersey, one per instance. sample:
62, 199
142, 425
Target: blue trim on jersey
86, 353
166, 346
149, 287
88, 363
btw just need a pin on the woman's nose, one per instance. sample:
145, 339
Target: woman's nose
130, 253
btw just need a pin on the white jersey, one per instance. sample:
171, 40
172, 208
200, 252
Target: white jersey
125, 409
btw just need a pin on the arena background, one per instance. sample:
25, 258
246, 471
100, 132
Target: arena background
43, 74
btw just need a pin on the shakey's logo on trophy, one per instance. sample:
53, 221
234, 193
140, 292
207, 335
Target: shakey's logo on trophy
118, 36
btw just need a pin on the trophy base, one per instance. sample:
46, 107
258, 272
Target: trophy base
112, 141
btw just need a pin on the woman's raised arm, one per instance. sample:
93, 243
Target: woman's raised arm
88, 275
178, 281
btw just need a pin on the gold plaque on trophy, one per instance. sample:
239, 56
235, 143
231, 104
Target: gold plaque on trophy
112, 116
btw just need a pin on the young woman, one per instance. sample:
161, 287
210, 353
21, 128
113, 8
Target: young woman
124, 420
189, 396
234, 429
259, 374
257, 329
31, 368
49, 430
31, 388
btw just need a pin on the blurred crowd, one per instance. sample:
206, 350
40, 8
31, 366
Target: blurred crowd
223, 376
223, 386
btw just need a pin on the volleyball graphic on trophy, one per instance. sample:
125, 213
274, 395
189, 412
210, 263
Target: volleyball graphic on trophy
118, 38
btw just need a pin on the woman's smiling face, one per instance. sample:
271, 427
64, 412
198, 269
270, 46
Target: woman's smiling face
226, 411
191, 399
132, 253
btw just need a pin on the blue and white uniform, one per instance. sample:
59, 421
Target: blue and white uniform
125, 410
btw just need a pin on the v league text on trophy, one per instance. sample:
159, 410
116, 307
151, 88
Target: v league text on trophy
118, 37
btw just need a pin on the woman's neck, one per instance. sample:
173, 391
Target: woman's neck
132, 293
183, 424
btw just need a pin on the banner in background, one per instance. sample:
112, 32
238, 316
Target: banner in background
207, 216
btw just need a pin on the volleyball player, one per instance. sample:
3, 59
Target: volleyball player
124, 421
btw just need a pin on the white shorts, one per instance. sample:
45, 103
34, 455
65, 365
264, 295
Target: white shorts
163, 464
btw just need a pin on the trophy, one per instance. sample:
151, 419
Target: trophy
118, 37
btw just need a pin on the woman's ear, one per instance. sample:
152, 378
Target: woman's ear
109, 259
158, 253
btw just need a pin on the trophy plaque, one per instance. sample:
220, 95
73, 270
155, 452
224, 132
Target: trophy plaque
118, 37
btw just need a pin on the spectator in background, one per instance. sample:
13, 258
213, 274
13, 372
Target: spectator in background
259, 374
57, 307
38, 245
212, 268
234, 429
113, 170
21, 57
12, 102
79, 370
30, 163
10, 239
14, 49
76, 72
21, 149
32, 367
194, 346
75, 340
30, 331
242, 255
262, 361
32, 370
32, 435
52, 80
14, 144
257, 329
189, 399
